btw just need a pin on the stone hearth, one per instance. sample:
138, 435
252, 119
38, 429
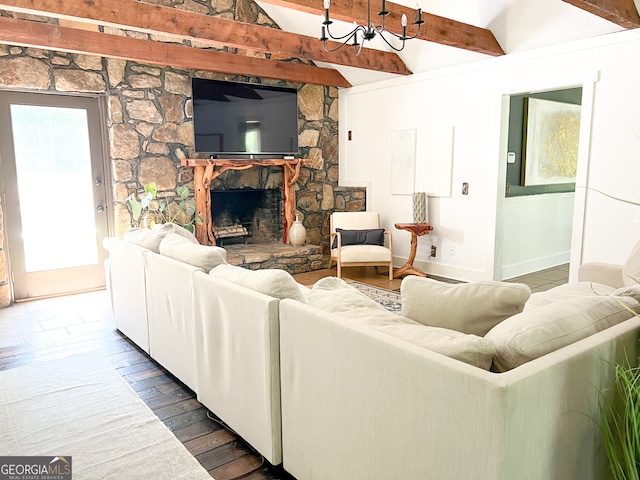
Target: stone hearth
277, 255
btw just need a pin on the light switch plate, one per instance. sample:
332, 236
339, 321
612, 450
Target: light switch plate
511, 157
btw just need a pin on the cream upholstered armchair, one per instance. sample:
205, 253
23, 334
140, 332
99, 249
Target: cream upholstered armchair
616, 276
358, 240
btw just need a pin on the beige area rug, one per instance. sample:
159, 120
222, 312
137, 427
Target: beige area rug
79, 407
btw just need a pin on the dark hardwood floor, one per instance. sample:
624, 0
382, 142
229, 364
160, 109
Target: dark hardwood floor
43, 330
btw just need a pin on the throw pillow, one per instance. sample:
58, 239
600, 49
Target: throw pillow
336, 296
165, 228
471, 349
180, 248
273, 282
144, 238
472, 308
373, 236
532, 334
633, 291
631, 268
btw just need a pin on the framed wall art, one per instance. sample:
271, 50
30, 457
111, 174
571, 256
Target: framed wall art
552, 131
403, 161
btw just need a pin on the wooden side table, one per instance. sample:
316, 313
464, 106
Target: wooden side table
416, 230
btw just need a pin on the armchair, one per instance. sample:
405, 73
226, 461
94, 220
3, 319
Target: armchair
616, 276
364, 247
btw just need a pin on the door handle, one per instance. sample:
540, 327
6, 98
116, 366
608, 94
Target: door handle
100, 209
98, 182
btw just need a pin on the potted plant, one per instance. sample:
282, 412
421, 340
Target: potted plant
620, 413
147, 211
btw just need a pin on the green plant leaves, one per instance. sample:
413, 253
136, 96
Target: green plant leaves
620, 424
164, 211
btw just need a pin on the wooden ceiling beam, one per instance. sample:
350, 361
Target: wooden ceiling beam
620, 12
147, 18
53, 37
436, 29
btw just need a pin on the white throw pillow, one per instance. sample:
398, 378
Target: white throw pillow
144, 238
273, 282
473, 308
323, 296
180, 248
165, 228
633, 291
567, 291
534, 333
336, 296
471, 349
631, 268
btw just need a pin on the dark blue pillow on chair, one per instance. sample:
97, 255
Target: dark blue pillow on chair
360, 237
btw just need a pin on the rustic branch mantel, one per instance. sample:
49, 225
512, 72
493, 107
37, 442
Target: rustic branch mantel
206, 170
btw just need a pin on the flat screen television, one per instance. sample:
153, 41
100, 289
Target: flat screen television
232, 118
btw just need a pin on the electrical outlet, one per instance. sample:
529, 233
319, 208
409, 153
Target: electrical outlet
433, 250
452, 249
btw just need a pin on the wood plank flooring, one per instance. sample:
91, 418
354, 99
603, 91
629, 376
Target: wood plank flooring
43, 330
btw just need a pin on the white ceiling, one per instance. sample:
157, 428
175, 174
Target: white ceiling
518, 25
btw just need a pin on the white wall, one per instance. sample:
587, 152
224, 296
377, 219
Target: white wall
537, 233
471, 98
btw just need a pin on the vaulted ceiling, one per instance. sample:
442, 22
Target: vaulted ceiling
457, 31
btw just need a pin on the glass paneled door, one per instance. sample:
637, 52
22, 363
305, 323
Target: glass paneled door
54, 193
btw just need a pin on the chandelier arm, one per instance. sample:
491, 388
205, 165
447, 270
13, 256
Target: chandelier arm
331, 50
389, 43
348, 36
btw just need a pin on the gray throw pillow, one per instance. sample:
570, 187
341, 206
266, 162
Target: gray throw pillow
374, 236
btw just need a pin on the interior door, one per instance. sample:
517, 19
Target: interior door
54, 195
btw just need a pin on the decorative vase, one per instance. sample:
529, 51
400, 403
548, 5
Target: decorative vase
297, 233
419, 207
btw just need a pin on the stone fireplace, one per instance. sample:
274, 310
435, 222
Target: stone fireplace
247, 215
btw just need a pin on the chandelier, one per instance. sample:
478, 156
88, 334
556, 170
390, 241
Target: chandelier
360, 33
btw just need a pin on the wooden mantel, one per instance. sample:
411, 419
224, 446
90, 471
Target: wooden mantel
206, 170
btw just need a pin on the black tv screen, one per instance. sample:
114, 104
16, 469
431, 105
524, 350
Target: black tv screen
232, 118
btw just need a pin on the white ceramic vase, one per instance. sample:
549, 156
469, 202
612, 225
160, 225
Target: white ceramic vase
297, 233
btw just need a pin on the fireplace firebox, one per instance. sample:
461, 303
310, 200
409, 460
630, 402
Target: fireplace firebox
247, 215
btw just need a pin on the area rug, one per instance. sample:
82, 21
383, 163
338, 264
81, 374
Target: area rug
79, 407
388, 299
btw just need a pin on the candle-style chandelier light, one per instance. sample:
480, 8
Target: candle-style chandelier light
360, 33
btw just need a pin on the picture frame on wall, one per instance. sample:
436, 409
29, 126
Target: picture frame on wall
403, 161
550, 138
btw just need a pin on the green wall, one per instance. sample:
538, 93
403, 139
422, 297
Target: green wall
516, 129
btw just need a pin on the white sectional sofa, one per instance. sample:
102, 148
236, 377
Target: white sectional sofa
362, 398
217, 336
479, 380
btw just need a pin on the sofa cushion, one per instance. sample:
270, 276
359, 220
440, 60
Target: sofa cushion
273, 282
534, 333
180, 248
332, 294
365, 253
567, 291
335, 296
633, 291
165, 228
373, 236
631, 268
471, 349
472, 308
144, 238
151, 238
